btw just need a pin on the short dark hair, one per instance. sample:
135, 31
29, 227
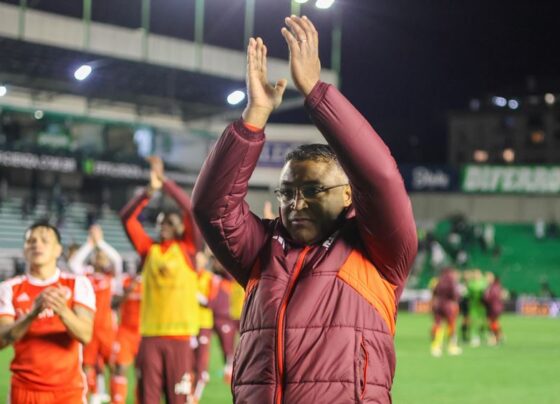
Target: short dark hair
314, 151
47, 225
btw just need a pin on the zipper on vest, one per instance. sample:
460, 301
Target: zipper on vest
281, 324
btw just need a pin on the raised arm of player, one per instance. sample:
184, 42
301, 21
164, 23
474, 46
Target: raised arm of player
77, 263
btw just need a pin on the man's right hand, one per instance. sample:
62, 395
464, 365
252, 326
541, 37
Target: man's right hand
95, 234
263, 97
156, 173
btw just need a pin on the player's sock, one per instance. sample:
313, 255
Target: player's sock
434, 330
228, 370
91, 376
453, 348
496, 330
437, 342
119, 389
200, 385
100, 387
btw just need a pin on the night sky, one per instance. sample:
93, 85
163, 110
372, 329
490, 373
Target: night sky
405, 63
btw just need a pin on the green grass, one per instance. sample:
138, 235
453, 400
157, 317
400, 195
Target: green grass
523, 370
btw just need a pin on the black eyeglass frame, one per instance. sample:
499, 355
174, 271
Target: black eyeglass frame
316, 190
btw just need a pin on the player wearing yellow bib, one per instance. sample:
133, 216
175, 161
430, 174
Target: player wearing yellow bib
169, 310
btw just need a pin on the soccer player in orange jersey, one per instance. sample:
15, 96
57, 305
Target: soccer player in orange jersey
46, 314
105, 262
125, 346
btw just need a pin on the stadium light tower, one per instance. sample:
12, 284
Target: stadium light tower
83, 72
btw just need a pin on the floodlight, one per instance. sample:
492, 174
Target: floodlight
3, 91
324, 4
513, 104
236, 97
82, 72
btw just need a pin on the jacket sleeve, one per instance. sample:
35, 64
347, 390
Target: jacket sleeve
383, 209
134, 229
191, 235
231, 230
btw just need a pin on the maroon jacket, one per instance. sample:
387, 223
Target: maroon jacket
493, 299
446, 296
318, 321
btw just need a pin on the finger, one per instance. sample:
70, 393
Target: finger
311, 31
259, 53
264, 60
293, 44
297, 28
251, 54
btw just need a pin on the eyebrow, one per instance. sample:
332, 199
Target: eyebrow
314, 182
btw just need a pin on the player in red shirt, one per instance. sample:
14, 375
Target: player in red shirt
125, 346
104, 274
46, 314
445, 307
493, 300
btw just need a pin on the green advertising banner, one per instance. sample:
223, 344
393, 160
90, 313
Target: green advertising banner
511, 179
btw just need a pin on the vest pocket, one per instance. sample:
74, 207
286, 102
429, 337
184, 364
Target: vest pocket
361, 366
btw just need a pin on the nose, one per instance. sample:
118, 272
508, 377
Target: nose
299, 202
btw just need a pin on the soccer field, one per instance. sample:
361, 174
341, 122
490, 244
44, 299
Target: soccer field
524, 370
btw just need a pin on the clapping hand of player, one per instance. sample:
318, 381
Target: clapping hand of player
157, 176
53, 298
56, 300
263, 96
95, 234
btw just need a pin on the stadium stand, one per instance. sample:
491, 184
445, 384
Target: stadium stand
73, 229
523, 261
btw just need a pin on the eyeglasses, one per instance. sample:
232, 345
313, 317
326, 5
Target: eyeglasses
308, 192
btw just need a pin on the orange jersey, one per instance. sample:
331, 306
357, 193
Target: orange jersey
47, 358
130, 307
102, 286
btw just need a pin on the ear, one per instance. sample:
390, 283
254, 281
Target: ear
347, 195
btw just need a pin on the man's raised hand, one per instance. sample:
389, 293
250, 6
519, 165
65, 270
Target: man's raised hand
303, 41
157, 176
263, 97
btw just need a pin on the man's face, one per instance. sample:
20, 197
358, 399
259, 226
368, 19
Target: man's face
166, 223
101, 262
41, 247
311, 219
